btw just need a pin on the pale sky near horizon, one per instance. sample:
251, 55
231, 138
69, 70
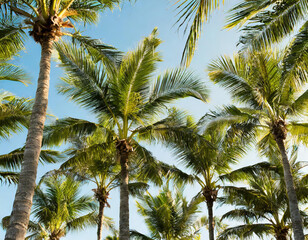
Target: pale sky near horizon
124, 29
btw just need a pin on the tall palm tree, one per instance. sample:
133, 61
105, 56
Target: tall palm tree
207, 161
59, 208
273, 106
46, 21
261, 204
94, 160
128, 104
169, 216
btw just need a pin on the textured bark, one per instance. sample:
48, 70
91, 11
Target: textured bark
124, 197
100, 220
210, 197
23, 199
211, 219
293, 203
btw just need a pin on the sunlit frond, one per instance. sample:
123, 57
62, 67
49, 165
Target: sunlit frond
64, 129
193, 14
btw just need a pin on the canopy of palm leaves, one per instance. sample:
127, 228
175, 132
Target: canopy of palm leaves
14, 116
269, 94
262, 204
59, 208
94, 159
127, 102
207, 156
274, 110
45, 19
169, 216
268, 22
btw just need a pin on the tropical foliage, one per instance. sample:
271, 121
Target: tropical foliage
46, 21
273, 103
261, 205
132, 108
59, 208
126, 102
169, 216
207, 156
10, 163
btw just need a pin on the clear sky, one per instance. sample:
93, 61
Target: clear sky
124, 29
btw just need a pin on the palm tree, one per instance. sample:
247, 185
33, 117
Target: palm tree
207, 161
262, 205
273, 103
94, 160
59, 208
169, 216
126, 102
46, 20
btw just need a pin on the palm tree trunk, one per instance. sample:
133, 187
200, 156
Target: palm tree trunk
124, 198
211, 219
100, 220
293, 203
23, 199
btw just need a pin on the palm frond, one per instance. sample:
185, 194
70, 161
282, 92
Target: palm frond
9, 177
82, 222
246, 231
96, 46
14, 159
246, 10
12, 39
138, 236
270, 26
196, 12
13, 73
85, 81
297, 54
135, 73
137, 188
64, 129
299, 131
14, 114
173, 85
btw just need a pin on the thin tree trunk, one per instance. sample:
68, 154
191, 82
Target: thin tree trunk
23, 199
124, 198
293, 203
211, 219
100, 220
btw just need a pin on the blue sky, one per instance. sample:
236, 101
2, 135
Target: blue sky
124, 29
